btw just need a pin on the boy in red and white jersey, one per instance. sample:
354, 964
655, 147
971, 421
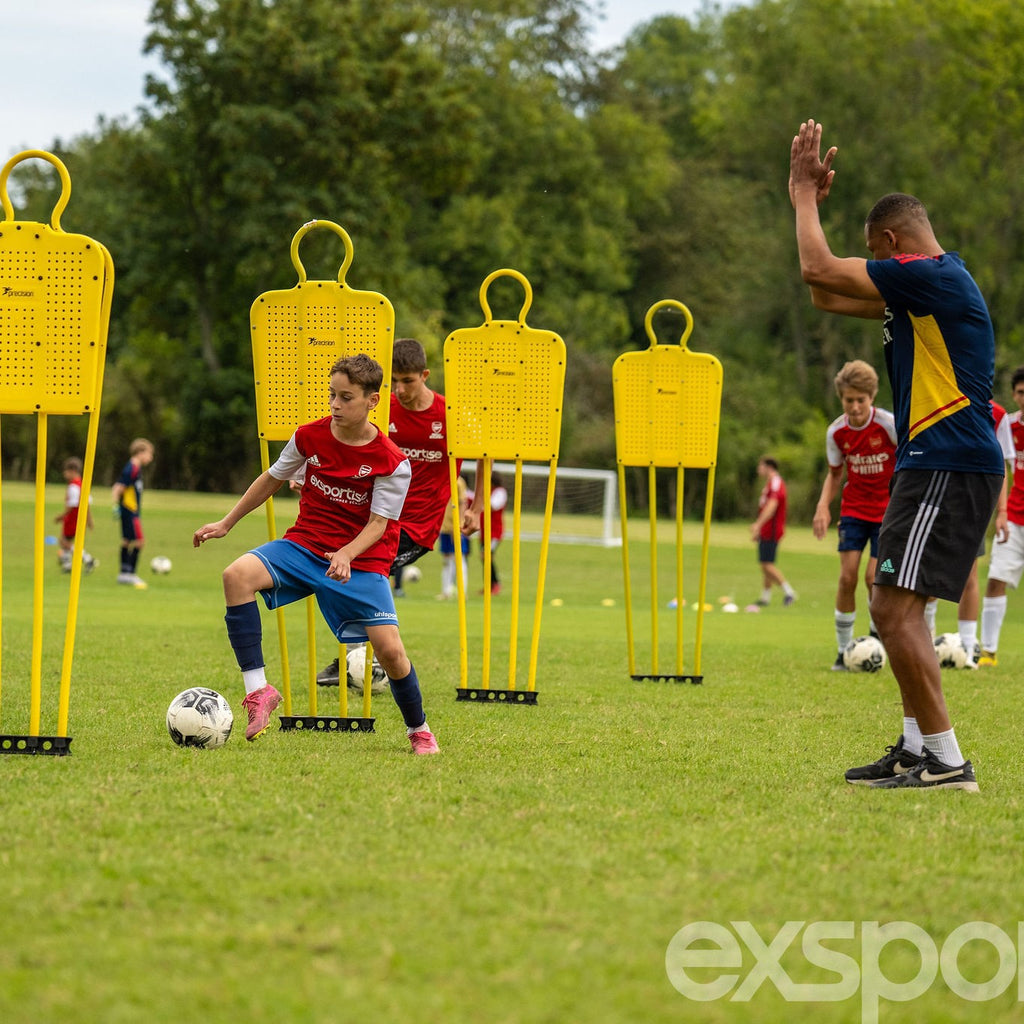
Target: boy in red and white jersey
416, 424
68, 519
339, 549
1007, 562
863, 442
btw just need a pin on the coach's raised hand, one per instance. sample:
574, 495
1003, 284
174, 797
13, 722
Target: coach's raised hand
807, 170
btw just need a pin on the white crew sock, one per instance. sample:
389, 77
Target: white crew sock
968, 630
419, 728
254, 679
845, 622
929, 614
766, 595
993, 611
912, 740
787, 588
945, 747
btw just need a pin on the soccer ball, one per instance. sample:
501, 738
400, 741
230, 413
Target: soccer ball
412, 574
950, 650
161, 565
199, 717
864, 654
356, 662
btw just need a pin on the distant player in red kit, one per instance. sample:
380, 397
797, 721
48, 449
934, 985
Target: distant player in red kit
767, 530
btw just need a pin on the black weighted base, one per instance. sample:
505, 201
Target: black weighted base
54, 746
661, 678
325, 723
482, 696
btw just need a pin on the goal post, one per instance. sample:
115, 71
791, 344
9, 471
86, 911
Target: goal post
586, 503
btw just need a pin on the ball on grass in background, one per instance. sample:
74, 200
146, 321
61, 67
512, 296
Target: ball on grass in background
950, 650
161, 565
412, 574
864, 654
199, 717
356, 663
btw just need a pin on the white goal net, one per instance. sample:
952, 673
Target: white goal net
585, 507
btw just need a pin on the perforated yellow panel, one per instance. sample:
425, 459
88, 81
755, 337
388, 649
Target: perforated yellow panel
298, 334
52, 329
668, 403
504, 386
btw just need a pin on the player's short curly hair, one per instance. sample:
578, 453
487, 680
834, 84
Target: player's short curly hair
897, 209
858, 376
362, 371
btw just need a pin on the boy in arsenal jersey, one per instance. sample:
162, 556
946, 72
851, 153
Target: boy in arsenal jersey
340, 548
863, 441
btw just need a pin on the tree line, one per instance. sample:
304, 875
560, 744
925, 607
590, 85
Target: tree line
451, 139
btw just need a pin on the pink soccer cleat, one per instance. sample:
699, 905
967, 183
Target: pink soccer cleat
423, 742
260, 704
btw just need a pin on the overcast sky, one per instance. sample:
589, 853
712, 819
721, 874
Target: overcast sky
63, 63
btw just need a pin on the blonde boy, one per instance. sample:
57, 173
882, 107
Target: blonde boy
863, 442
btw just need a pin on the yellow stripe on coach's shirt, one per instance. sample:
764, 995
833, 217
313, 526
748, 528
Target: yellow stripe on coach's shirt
934, 393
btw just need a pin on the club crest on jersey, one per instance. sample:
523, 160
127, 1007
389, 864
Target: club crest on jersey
364, 470
437, 430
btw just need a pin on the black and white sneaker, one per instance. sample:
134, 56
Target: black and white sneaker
329, 675
894, 764
931, 773
839, 665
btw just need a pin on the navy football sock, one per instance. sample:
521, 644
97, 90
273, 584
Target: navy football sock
407, 696
245, 633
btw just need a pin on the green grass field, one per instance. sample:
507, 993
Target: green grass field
536, 871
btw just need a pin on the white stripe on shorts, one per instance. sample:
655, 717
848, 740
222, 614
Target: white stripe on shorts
927, 512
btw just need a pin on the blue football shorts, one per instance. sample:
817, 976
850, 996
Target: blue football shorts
348, 608
855, 534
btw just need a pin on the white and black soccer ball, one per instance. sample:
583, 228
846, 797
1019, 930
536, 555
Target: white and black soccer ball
864, 654
412, 574
199, 717
356, 662
161, 565
950, 650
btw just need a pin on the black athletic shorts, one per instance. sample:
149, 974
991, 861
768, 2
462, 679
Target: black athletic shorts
408, 551
932, 528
